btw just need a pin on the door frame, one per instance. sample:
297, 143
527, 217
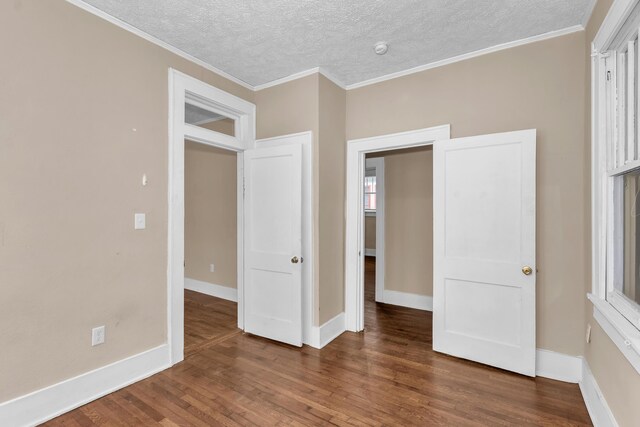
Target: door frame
354, 250
182, 89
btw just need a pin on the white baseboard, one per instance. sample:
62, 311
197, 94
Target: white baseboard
47, 403
405, 299
218, 291
323, 335
558, 366
599, 410
369, 252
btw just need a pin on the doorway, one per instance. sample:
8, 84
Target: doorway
398, 217
211, 230
273, 200
483, 243
357, 151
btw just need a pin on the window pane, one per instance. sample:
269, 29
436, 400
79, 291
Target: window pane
370, 193
370, 184
631, 282
197, 116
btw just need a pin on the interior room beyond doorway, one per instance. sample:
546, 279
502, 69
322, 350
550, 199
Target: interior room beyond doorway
210, 246
399, 204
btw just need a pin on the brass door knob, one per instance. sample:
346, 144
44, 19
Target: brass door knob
294, 260
527, 270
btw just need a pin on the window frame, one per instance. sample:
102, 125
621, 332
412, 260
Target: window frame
619, 318
370, 212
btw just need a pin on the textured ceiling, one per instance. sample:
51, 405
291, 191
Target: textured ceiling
263, 40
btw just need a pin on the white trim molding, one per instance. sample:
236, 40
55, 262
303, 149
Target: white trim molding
607, 263
469, 55
330, 330
354, 246
218, 291
47, 403
300, 75
558, 366
148, 37
596, 404
186, 89
370, 252
320, 70
406, 299
623, 334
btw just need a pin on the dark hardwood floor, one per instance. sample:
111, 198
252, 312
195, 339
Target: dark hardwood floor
387, 375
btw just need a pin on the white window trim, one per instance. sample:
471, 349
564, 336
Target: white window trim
618, 328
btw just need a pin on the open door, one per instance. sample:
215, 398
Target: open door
484, 249
273, 243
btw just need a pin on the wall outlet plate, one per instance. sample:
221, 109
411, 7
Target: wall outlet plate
97, 336
212, 268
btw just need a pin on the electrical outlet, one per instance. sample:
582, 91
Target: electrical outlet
212, 268
588, 336
97, 336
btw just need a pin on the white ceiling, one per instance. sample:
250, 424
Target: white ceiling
263, 40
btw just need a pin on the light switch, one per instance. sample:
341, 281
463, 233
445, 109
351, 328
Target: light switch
140, 221
97, 336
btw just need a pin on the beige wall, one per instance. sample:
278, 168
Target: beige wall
73, 88
539, 85
314, 103
210, 224
332, 185
408, 196
618, 380
288, 108
370, 232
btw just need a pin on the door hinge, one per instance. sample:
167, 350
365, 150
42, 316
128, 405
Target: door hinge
608, 75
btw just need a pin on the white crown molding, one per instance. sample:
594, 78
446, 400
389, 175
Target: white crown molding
47, 403
333, 78
287, 79
148, 37
492, 49
301, 74
320, 70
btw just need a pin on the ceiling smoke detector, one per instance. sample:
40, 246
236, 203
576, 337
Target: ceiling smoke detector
381, 48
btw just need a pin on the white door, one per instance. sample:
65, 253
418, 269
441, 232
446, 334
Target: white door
273, 243
484, 249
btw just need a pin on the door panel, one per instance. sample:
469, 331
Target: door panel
273, 237
484, 234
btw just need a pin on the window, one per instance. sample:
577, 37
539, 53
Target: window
370, 190
616, 177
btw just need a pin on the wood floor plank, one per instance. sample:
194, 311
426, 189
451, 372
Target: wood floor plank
387, 375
